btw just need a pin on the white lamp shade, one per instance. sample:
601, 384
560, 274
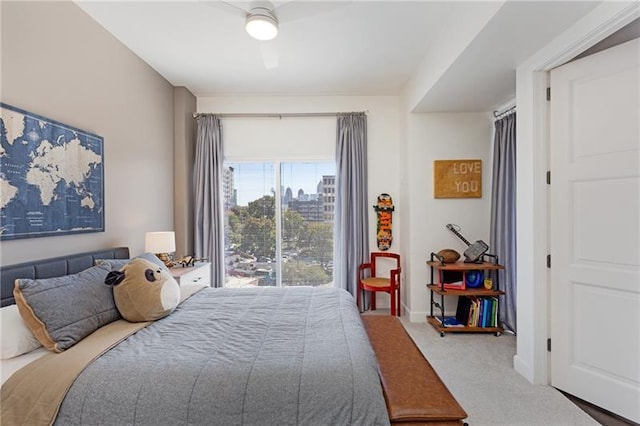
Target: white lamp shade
160, 242
262, 26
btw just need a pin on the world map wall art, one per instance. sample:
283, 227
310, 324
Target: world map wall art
51, 177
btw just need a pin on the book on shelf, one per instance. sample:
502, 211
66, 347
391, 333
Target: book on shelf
482, 319
462, 311
477, 311
472, 312
450, 321
494, 312
486, 311
453, 280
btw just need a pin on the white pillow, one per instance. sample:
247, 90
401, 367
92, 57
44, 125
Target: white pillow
15, 338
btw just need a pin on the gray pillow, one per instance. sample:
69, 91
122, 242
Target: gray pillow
61, 311
118, 264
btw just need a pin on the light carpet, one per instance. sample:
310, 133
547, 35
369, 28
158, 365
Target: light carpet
478, 369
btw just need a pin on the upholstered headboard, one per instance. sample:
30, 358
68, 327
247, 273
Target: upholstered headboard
52, 267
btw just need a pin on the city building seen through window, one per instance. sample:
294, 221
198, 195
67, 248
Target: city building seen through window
279, 223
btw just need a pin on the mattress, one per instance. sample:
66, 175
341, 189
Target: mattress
264, 356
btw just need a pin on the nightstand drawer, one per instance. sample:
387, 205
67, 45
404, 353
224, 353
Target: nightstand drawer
198, 274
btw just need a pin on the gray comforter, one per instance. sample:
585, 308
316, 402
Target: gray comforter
274, 356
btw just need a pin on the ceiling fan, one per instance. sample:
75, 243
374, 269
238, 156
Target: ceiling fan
262, 20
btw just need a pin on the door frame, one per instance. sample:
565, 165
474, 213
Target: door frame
532, 162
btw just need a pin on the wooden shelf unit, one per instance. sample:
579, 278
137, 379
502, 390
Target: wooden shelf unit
440, 290
477, 292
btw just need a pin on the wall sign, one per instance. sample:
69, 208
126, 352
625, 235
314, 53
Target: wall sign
51, 177
457, 179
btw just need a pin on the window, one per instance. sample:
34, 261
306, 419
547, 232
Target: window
288, 243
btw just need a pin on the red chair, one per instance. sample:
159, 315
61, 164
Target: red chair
373, 283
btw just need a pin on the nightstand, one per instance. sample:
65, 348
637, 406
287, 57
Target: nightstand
200, 273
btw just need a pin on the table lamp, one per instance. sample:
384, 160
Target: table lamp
160, 243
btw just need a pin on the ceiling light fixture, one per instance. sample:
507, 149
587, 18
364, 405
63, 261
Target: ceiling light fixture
261, 24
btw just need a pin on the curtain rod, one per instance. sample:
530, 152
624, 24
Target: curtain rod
274, 115
504, 113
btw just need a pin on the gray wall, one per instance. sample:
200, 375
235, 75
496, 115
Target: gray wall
184, 155
629, 32
57, 62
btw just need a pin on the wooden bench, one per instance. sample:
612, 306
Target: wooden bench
414, 393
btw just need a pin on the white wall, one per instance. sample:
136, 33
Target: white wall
403, 168
59, 63
382, 126
442, 136
465, 21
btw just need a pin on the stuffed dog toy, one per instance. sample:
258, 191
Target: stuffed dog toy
143, 291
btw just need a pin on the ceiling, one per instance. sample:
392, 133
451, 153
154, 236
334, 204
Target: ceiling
343, 47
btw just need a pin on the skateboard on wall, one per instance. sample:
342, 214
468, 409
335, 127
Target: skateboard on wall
384, 209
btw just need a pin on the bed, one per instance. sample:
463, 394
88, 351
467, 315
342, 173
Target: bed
224, 356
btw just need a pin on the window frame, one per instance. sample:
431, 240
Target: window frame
277, 190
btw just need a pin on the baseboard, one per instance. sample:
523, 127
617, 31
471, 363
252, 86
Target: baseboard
417, 316
523, 368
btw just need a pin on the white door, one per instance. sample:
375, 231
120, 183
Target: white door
595, 229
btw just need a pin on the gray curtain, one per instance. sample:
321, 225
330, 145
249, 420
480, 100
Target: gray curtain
503, 214
207, 178
351, 241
